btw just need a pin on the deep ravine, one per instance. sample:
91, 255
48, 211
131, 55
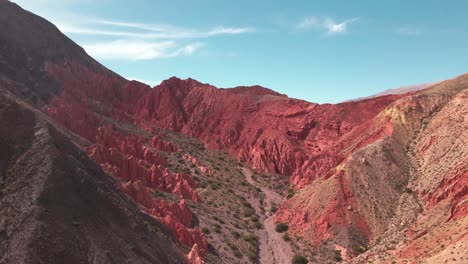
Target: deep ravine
272, 247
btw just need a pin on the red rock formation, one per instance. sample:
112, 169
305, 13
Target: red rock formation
127, 158
162, 145
176, 217
197, 163
272, 132
351, 163
74, 116
194, 255
309, 142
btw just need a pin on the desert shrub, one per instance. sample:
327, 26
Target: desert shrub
281, 227
252, 256
258, 225
237, 254
235, 234
251, 239
273, 208
248, 213
205, 230
337, 255
298, 259
290, 193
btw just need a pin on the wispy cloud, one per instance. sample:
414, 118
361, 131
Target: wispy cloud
147, 31
409, 31
126, 39
138, 41
139, 49
327, 24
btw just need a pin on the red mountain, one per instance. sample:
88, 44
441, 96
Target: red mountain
379, 179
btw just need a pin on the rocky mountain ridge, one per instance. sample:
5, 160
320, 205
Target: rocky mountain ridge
378, 179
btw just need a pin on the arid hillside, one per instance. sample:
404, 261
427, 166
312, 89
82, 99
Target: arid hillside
98, 169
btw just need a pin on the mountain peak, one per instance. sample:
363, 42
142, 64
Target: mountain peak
254, 90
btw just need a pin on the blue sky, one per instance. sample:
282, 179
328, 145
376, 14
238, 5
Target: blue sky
320, 51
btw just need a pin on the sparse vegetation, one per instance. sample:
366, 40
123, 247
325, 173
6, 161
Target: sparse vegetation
235, 234
291, 193
273, 208
337, 255
298, 259
281, 227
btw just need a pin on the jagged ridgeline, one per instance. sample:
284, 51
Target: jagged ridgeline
98, 169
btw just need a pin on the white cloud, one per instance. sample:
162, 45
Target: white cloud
126, 40
148, 31
230, 31
408, 31
72, 29
330, 26
139, 49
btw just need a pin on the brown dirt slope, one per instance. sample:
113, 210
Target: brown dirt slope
57, 206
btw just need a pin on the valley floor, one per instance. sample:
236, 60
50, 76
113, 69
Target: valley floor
272, 247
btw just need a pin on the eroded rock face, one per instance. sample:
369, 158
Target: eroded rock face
349, 162
162, 145
270, 131
404, 179
176, 216
336, 155
390, 168
142, 171
194, 255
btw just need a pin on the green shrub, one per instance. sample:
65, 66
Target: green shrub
281, 227
205, 230
252, 256
237, 254
248, 213
337, 256
298, 259
251, 239
235, 234
290, 193
273, 208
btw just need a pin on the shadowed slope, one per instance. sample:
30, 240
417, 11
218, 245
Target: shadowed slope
57, 206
